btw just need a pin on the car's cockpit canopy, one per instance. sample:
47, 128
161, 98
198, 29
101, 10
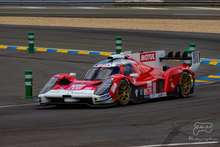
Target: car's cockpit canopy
104, 69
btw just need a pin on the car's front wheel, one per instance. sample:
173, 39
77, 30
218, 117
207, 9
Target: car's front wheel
123, 92
185, 84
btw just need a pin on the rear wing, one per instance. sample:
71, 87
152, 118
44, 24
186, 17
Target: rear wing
157, 59
193, 59
177, 56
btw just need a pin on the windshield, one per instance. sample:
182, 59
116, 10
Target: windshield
101, 73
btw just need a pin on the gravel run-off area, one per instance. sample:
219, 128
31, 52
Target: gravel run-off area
182, 25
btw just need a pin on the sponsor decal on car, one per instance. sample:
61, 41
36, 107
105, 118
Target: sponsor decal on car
105, 96
172, 85
82, 92
141, 92
146, 57
147, 96
88, 88
149, 84
103, 65
54, 91
180, 71
146, 91
136, 93
114, 88
196, 58
150, 90
158, 95
76, 87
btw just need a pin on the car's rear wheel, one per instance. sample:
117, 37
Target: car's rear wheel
123, 92
185, 84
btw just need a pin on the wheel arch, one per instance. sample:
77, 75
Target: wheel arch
117, 79
172, 77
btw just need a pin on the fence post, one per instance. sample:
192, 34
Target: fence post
31, 42
118, 44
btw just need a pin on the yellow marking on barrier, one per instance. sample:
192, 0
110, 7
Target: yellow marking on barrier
41, 49
105, 54
21, 48
213, 63
213, 76
173, 60
62, 51
82, 52
3, 47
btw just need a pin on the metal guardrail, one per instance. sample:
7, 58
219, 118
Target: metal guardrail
107, 2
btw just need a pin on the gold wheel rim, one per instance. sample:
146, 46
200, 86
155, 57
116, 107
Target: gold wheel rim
123, 92
185, 84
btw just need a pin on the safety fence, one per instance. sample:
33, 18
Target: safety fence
109, 2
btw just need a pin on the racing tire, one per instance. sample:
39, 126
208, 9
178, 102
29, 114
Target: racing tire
185, 84
123, 92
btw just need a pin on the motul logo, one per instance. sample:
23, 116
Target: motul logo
145, 57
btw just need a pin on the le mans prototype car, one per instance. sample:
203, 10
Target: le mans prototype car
124, 78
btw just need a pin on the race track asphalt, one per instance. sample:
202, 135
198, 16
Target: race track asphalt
159, 121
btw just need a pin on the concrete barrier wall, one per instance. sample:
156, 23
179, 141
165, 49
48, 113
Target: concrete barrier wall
108, 2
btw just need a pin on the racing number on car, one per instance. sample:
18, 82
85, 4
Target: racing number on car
195, 57
76, 87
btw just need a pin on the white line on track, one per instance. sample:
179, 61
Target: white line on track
34, 7
179, 144
88, 8
203, 8
149, 8
7, 106
197, 14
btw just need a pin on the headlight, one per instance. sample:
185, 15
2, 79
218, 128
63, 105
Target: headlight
50, 84
104, 87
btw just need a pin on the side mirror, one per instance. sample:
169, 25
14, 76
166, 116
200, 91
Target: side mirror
73, 74
134, 76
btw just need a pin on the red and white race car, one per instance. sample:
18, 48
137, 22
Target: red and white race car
123, 78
